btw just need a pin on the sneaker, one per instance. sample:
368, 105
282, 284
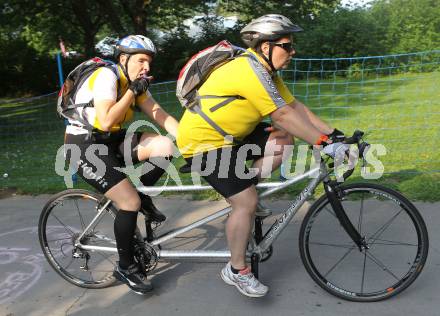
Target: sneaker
244, 281
134, 278
262, 211
150, 211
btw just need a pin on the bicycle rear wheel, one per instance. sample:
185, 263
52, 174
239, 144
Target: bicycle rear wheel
63, 219
395, 233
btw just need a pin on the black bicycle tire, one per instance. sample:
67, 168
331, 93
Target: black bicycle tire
416, 219
108, 281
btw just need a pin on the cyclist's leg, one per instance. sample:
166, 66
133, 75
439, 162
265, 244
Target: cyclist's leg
239, 225
99, 165
154, 145
272, 144
239, 190
125, 196
155, 152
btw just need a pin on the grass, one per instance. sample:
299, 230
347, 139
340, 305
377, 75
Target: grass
401, 112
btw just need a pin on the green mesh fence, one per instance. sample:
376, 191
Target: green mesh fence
394, 98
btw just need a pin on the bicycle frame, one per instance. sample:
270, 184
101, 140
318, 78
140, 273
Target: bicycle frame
318, 174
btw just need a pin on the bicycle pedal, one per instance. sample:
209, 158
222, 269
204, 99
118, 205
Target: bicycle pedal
153, 225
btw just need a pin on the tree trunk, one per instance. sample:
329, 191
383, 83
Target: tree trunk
135, 9
82, 9
112, 16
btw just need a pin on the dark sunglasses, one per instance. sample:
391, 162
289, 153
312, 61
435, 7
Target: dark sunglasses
288, 47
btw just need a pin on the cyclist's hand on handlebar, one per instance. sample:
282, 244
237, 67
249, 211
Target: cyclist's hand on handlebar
336, 136
336, 150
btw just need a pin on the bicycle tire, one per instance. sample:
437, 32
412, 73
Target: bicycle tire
62, 219
339, 264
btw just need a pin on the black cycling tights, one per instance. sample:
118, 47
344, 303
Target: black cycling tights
154, 168
125, 226
125, 222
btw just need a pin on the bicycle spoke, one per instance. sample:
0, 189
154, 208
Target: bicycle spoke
361, 214
340, 260
383, 228
363, 272
330, 245
52, 240
393, 243
66, 227
71, 261
380, 264
83, 225
91, 276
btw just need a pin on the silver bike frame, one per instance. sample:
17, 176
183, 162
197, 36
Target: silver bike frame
317, 174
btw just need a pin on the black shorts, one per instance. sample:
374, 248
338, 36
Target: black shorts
225, 168
98, 157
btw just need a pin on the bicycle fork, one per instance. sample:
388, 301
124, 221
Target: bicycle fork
333, 193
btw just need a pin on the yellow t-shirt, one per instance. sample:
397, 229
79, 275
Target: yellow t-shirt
260, 94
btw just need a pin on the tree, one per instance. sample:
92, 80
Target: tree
412, 25
341, 33
298, 10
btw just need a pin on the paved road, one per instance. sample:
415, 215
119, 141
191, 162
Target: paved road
29, 287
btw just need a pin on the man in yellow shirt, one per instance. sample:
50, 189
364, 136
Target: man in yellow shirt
256, 92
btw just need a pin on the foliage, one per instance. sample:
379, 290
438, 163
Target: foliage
298, 10
341, 33
30, 31
409, 25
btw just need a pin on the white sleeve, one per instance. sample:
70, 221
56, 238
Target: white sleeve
105, 86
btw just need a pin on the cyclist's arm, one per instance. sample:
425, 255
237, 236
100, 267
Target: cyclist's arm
104, 86
151, 108
292, 120
110, 112
315, 120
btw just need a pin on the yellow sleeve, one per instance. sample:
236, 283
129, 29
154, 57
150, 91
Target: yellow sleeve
284, 91
265, 94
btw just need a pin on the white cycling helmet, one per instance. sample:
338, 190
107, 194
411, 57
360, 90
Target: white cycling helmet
135, 44
268, 27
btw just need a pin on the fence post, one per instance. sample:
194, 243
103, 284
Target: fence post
60, 70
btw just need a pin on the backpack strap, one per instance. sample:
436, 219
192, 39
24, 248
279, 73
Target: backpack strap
199, 111
229, 99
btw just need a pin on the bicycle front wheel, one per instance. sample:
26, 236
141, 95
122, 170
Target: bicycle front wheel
63, 219
395, 233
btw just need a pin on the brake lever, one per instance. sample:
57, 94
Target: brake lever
357, 136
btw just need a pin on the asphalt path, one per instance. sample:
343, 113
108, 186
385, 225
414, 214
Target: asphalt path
30, 287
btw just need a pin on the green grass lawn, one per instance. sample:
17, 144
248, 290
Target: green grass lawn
401, 112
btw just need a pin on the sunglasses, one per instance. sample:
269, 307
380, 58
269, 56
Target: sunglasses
288, 47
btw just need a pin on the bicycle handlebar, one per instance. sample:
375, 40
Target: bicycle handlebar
363, 147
